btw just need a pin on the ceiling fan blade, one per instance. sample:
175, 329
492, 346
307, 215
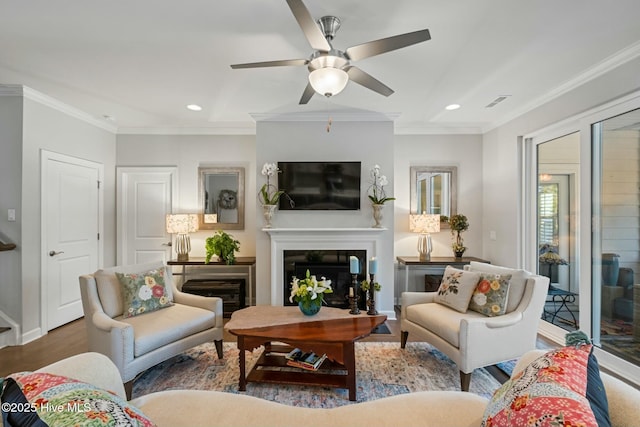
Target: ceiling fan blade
284, 62
376, 47
307, 94
366, 80
311, 31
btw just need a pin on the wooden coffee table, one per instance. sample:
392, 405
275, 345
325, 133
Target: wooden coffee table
279, 329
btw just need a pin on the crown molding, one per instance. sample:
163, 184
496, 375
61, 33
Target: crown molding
241, 128
322, 116
614, 61
432, 129
41, 98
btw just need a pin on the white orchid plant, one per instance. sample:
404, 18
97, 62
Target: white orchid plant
269, 194
309, 290
377, 194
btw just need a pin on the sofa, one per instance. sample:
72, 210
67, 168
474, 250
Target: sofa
474, 339
136, 343
212, 408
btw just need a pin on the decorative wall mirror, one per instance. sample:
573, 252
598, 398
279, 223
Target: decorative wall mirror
434, 191
221, 198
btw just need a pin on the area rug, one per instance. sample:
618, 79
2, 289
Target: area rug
383, 369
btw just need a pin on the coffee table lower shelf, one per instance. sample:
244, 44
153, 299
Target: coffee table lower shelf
271, 367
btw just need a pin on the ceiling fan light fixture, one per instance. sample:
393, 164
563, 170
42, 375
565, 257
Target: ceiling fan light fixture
328, 81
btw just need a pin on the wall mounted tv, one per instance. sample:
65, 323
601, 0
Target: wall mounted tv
320, 185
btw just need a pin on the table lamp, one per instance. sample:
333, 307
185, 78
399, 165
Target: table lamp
182, 225
424, 224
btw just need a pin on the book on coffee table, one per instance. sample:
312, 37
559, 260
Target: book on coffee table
299, 359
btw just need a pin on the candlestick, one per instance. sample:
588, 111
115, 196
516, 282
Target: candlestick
373, 266
351, 292
371, 301
354, 265
353, 300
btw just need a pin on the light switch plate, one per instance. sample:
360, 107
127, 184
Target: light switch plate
11, 215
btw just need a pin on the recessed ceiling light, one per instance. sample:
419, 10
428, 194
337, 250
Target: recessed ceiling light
452, 107
194, 107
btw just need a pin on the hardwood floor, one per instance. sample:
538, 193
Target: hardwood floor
71, 339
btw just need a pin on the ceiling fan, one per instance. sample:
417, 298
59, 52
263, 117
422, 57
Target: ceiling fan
330, 69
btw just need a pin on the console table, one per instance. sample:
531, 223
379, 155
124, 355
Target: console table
434, 266
195, 267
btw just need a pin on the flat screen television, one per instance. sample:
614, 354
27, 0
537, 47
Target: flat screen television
320, 185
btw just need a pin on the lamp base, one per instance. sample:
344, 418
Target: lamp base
183, 247
424, 247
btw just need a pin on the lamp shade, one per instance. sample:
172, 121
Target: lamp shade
182, 223
424, 223
328, 81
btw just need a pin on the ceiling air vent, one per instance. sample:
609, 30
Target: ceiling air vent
497, 101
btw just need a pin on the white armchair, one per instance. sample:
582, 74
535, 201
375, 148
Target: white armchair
473, 340
135, 344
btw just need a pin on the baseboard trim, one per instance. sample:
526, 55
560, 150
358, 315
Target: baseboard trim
32, 335
12, 337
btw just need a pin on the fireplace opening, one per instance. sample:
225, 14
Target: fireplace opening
332, 264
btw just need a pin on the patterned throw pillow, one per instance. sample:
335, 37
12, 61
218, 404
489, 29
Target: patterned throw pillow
456, 288
41, 399
550, 391
490, 296
144, 292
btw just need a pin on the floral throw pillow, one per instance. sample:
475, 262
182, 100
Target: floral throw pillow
42, 399
144, 292
456, 288
550, 391
490, 296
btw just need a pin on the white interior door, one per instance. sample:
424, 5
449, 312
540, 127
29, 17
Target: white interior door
145, 196
71, 224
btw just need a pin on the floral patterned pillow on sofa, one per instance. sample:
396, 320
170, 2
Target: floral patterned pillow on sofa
490, 296
456, 288
144, 292
551, 391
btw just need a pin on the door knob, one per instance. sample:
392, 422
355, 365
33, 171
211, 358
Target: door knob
54, 253
166, 244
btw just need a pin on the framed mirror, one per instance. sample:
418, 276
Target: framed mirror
221, 198
434, 190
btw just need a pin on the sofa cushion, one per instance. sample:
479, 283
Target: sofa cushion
490, 296
110, 289
456, 288
550, 391
516, 284
439, 319
144, 292
47, 399
159, 328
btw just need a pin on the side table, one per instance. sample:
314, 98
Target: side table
435, 266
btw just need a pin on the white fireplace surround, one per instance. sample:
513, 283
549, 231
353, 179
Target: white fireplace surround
285, 239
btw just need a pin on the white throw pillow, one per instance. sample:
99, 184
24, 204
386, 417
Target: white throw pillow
456, 288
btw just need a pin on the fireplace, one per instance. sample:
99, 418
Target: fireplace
332, 264
364, 242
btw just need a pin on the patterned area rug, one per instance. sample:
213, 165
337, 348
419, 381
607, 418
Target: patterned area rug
383, 369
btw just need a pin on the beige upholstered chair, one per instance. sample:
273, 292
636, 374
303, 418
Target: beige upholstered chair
137, 343
473, 340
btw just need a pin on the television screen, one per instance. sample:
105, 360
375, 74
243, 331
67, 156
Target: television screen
320, 185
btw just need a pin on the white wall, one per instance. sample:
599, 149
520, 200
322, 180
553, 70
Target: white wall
11, 198
370, 142
188, 152
502, 190
47, 128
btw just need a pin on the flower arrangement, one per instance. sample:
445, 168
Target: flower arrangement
309, 291
377, 194
269, 194
458, 223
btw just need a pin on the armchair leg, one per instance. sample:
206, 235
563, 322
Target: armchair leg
465, 381
218, 344
128, 389
403, 338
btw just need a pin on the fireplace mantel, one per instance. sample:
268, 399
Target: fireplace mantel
367, 239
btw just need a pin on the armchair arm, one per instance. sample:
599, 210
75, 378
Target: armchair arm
214, 304
114, 339
411, 298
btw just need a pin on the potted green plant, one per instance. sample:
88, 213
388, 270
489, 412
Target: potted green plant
458, 223
222, 245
